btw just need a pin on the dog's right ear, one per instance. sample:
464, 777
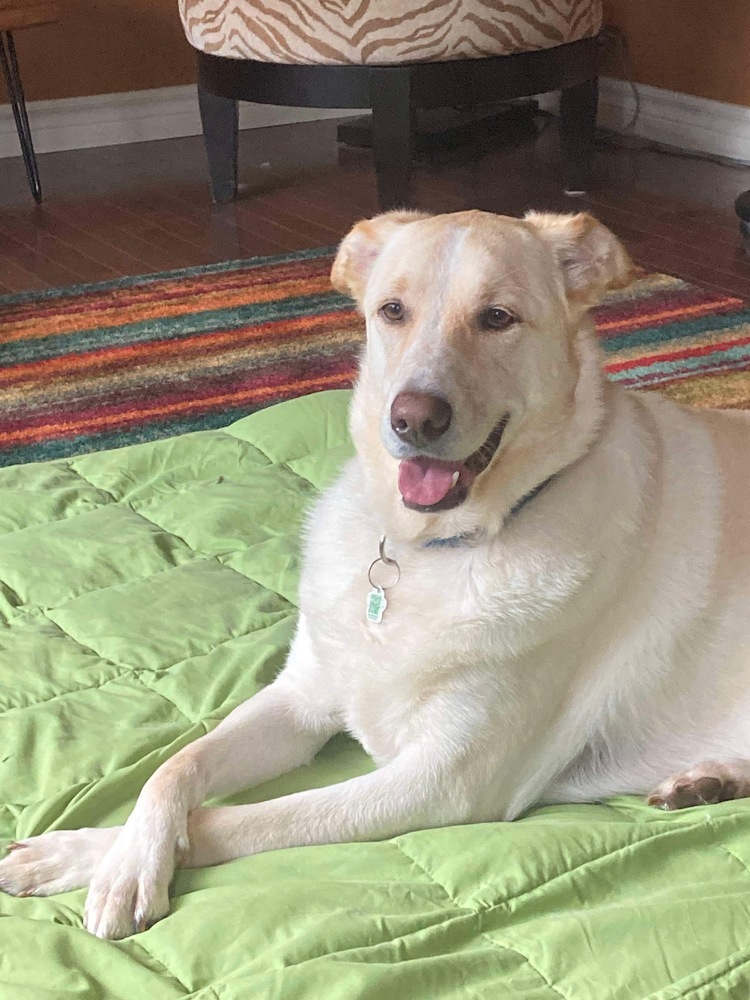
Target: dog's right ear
361, 248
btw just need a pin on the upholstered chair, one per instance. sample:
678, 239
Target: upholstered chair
392, 56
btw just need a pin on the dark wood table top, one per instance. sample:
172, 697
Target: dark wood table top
16, 14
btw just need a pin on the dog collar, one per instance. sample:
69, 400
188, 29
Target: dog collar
376, 599
456, 541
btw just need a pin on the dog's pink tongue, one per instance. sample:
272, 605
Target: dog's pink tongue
426, 481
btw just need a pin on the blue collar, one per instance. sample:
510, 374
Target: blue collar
456, 541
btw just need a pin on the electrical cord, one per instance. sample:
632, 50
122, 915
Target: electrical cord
615, 40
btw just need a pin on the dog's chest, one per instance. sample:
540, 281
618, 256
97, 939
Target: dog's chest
392, 678
455, 614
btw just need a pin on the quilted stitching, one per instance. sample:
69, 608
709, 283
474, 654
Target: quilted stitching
148, 591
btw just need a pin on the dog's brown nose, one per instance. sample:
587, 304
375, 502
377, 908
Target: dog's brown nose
419, 418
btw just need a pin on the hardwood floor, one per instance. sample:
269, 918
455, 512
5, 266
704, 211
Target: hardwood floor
131, 209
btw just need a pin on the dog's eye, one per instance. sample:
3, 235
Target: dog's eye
497, 318
393, 312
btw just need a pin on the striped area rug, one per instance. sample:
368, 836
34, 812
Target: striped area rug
104, 365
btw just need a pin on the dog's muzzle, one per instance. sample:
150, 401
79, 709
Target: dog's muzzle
432, 484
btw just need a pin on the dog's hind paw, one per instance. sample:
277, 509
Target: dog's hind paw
702, 785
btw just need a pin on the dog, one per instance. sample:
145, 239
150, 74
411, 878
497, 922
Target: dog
529, 585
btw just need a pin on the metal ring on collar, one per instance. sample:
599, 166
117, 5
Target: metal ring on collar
387, 561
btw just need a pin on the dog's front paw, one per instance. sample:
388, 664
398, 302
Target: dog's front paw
130, 889
702, 785
54, 862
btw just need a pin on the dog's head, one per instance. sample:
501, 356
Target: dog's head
473, 351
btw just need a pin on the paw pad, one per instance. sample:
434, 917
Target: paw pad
703, 791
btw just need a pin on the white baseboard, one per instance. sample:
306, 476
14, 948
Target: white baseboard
692, 123
112, 119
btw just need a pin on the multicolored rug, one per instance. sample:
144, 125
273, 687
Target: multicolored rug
104, 365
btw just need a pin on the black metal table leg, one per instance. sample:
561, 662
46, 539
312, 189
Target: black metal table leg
9, 63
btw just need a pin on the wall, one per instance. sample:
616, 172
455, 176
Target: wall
109, 46
105, 46
693, 46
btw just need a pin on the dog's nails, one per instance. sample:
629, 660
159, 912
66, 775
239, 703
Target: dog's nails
14, 845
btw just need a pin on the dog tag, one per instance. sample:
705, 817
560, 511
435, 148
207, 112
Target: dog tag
376, 605
376, 600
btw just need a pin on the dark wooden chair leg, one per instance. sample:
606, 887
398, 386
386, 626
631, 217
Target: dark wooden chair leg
392, 135
9, 64
219, 116
742, 208
577, 130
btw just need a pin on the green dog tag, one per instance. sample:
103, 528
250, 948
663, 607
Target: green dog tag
376, 605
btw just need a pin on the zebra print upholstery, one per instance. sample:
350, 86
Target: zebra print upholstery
383, 31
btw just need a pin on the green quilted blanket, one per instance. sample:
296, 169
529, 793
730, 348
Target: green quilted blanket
146, 592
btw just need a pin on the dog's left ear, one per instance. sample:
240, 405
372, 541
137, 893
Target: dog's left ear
592, 259
361, 248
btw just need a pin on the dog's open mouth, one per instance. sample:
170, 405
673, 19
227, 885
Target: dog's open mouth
432, 485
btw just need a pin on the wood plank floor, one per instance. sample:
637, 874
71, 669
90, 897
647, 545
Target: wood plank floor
131, 209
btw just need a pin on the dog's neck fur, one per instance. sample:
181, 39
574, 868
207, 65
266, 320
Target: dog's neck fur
533, 455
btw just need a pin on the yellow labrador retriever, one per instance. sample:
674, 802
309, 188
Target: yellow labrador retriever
529, 585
